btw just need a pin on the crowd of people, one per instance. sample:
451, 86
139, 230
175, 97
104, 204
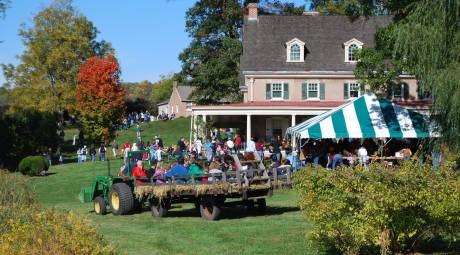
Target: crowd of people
185, 159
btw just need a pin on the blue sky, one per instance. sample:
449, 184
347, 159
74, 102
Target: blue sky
147, 35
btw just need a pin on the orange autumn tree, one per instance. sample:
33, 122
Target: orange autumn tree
100, 98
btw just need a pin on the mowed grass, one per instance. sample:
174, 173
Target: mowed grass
281, 231
170, 131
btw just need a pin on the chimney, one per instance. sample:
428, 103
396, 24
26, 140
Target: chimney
252, 10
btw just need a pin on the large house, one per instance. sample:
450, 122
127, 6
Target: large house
297, 67
179, 103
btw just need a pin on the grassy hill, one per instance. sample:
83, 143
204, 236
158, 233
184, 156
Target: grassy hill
170, 131
280, 231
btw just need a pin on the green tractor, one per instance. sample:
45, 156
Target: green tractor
115, 191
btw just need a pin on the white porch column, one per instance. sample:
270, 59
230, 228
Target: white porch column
191, 126
293, 144
248, 128
195, 129
204, 131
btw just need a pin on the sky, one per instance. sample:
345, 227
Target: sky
147, 35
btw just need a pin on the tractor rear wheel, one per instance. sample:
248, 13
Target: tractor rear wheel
210, 208
121, 199
159, 208
99, 206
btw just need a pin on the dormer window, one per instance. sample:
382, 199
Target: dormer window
351, 48
295, 51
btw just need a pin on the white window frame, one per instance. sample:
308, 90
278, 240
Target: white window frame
349, 89
301, 45
281, 90
347, 46
317, 90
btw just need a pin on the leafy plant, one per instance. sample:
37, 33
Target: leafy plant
100, 98
395, 209
33, 165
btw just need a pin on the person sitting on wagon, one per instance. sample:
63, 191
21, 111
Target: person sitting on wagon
159, 174
180, 169
139, 172
195, 169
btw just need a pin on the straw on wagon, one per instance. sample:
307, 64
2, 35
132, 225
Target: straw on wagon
163, 191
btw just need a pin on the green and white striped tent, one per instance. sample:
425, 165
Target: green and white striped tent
365, 117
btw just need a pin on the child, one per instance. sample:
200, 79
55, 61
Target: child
159, 174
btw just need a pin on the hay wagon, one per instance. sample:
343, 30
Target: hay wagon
249, 184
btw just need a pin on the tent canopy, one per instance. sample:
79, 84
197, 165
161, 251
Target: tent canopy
365, 117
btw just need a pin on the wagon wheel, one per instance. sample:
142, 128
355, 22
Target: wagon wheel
261, 205
99, 206
159, 208
210, 208
121, 199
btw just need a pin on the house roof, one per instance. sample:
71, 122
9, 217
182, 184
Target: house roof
185, 92
264, 41
164, 102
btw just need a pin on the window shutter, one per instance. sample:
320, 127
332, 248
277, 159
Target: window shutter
345, 90
268, 91
304, 91
286, 91
322, 92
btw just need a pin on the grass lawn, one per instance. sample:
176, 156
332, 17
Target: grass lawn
281, 231
170, 131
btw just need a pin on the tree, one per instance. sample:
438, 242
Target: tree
25, 133
423, 40
59, 40
211, 62
100, 98
4, 4
162, 91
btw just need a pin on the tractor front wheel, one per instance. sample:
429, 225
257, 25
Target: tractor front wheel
159, 208
99, 205
121, 199
210, 208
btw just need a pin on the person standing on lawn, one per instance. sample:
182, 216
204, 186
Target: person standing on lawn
92, 152
102, 150
114, 148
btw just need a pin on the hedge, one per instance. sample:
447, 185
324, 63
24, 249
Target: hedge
28, 228
391, 209
33, 165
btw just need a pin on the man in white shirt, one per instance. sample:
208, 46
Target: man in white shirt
362, 154
251, 146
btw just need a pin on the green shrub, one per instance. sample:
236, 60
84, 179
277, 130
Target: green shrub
394, 209
27, 228
33, 165
14, 189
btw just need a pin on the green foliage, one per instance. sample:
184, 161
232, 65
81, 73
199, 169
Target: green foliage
4, 4
212, 59
14, 190
33, 165
396, 209
26, 133
162, 91
26, 228
59, 40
